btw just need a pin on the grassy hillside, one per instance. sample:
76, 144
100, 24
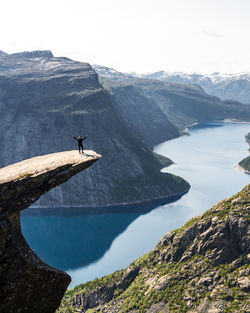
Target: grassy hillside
201, 267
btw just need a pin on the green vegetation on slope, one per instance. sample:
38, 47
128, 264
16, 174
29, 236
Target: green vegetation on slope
163, 160
202, 266
248, 138
245, 163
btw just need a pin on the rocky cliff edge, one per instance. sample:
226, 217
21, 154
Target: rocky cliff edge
201, 267
27, 283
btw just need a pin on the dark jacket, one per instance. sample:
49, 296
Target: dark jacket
80, 140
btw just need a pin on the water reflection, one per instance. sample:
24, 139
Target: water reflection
68, 238
206, 125
67, 242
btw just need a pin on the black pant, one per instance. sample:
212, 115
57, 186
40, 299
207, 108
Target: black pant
80, 146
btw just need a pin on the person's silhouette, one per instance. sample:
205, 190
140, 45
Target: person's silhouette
80, 140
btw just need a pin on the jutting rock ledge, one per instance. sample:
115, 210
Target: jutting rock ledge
27, 283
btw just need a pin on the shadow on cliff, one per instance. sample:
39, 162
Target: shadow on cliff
79, 236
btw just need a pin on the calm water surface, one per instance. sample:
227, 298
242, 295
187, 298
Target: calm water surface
91, 246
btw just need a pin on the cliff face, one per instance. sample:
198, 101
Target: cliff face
225, 86
44, 100
142, 115
27, 283
202, 267
181, 104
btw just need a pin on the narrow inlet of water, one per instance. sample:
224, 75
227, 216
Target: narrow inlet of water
91, 246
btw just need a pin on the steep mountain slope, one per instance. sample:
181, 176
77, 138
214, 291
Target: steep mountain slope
201, 267
44, 100
180, 104
224, 86
142, 115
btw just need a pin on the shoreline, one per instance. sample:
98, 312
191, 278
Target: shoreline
239, 166
233, 121
145, 205
226, 121
126, 207
243, 169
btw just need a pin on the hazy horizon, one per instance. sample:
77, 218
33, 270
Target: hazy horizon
133, 72
134, 36
172, 72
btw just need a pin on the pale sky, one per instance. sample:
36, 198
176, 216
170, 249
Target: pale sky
133, 35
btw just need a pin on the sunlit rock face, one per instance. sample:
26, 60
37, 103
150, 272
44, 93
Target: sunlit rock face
27, 283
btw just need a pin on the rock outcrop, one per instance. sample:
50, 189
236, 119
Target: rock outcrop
44, 100
201, 267
27, 283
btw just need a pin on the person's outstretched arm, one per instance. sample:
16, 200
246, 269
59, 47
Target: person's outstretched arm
85, 137
74, 137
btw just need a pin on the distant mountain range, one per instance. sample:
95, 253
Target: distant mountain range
44, 100
182, 104
224, 86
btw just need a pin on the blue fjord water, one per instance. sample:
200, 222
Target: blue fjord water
92, 245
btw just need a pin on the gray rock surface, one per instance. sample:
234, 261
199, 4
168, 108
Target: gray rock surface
226, 86
181, 104
27, 283
202, 267
23, 183
44, 101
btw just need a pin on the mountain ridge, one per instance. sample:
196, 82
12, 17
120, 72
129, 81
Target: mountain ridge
201, 267
180, 104
226, 86
44, 101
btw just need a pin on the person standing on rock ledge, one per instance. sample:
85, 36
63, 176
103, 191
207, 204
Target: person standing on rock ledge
80, 140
